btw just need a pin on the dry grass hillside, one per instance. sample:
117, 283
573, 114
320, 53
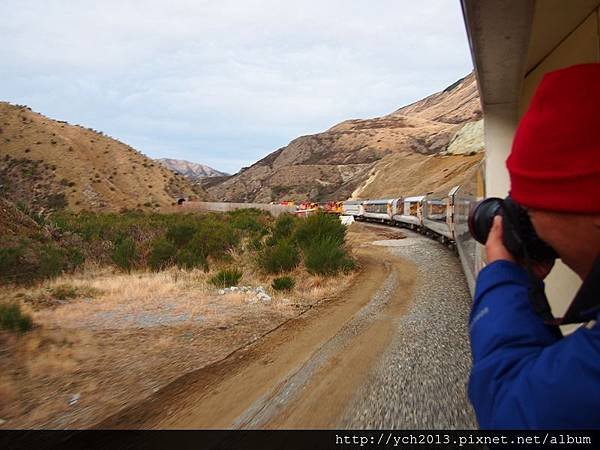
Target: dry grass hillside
47, 164
416, 174
367, 158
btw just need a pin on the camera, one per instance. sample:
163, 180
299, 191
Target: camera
519, 236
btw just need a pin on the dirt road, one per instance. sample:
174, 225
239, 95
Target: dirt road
302, 374
378, 355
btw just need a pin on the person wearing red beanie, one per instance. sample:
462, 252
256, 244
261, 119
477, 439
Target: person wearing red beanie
525, 374
554, 164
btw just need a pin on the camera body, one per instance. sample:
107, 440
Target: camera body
519, 236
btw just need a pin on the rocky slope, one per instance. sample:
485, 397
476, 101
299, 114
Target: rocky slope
47, 164
190, 170
364, 158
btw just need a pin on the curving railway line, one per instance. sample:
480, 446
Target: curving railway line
442, 215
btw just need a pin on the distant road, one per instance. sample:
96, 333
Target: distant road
387, 352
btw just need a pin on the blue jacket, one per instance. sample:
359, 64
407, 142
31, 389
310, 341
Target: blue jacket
523, 375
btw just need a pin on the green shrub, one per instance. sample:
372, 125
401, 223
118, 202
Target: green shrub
162, 254
13, 319
281, 257
31, 260
124, 254
319, 227
283, 284
226, 278
181, 234
214, 238
9, 262
52, 261
326, 257
108, 226
190, 258
283, 228
255, 244
251, 221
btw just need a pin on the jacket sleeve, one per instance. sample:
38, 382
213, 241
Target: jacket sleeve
523, 375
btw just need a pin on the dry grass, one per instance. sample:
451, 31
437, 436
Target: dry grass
125, 335
121, 177
416, 174
104, 299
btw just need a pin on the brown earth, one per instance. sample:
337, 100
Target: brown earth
236, 391
47, 164
342, 160
164, 350
415, 174
115, 339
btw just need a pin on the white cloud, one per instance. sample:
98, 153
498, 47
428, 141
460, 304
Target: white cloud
240, 78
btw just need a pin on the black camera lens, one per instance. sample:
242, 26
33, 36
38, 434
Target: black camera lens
481, 217
519, 236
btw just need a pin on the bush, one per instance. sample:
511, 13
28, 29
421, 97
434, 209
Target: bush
124, 255
326, 257
13, 319
255, 244
213, 239
319, 227
160, 240
31, 260
226, 278
281, 257
283, 229
181, 234
251, 221
73, 258
52, 261
162, 254
190, 258
283, 284
9, 263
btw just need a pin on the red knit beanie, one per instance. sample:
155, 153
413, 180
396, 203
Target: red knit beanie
555, 159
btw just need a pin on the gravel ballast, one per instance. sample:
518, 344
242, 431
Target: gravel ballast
420, 380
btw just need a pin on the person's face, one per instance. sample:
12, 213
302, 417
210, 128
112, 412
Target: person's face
576, 237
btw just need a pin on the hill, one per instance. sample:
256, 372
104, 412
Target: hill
190, 170
49, 164
405, 151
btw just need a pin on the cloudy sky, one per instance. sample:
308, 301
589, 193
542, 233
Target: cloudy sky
225, 82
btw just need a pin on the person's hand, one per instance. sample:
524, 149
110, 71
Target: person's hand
494, 247
495, 251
